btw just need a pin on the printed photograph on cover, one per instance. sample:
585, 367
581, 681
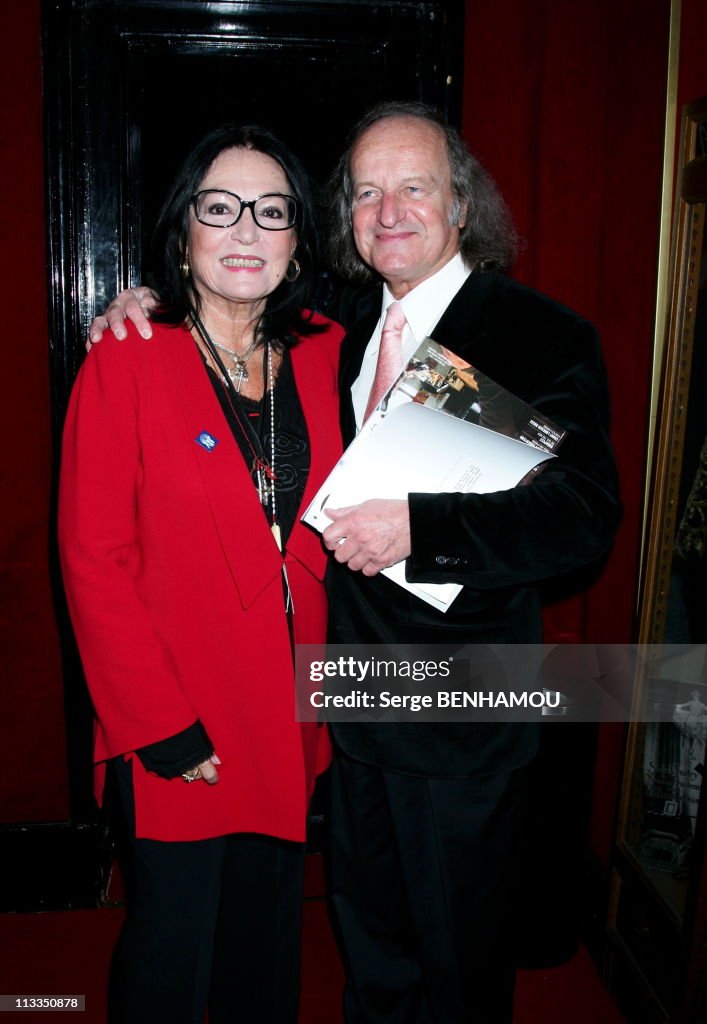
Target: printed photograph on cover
438, 378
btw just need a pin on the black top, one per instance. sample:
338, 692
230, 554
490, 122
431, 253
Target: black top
292, 455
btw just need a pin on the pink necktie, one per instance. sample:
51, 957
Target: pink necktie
390, 355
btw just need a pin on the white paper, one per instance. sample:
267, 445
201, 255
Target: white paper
413, 448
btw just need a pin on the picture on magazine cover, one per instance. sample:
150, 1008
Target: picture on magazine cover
438, 378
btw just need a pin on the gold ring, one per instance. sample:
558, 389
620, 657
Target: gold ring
192, 775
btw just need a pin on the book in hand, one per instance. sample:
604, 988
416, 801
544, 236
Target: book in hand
442, 427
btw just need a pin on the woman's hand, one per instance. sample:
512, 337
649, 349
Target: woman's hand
134, 304
204, 772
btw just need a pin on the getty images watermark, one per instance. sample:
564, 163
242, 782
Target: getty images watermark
503, 683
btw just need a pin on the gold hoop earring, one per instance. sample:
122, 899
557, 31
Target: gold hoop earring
184, 266
293, 270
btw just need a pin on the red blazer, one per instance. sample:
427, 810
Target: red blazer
174, 582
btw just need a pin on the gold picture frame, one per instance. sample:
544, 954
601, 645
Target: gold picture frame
687, 249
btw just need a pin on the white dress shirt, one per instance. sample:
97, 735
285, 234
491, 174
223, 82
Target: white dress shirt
423, 307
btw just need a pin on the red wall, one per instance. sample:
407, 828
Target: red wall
564, 103
569, 119
33, 777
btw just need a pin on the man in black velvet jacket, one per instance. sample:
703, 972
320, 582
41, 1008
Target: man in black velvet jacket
425, 817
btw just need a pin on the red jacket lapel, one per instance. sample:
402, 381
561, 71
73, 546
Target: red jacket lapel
315, 377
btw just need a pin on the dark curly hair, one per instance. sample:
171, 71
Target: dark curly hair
284, 314
488, 240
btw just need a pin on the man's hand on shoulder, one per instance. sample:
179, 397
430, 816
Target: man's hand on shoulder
134, 304
370, 536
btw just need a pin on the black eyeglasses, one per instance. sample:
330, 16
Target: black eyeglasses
219, 209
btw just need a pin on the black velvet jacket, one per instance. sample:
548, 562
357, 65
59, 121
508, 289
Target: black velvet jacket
503, 547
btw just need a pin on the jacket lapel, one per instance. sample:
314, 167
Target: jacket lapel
247, 542
461, 326
316, 387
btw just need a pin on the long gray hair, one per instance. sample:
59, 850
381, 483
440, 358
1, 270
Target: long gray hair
488, 240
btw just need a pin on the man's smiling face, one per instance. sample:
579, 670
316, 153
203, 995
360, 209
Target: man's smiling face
402, 201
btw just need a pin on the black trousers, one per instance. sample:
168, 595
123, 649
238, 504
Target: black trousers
215, 921
423, 876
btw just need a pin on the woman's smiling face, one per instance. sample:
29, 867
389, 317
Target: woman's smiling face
245, 263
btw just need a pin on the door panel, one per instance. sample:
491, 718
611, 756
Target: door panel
130, 87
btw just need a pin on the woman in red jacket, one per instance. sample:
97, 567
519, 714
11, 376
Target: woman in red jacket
189, 576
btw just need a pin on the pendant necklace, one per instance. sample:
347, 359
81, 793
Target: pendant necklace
274, 524
238, 373
263, 471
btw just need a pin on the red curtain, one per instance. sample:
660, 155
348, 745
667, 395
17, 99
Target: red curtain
564, 103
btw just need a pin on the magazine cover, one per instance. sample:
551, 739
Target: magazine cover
439, 379
442, 427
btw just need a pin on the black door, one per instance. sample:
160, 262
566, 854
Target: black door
129, 88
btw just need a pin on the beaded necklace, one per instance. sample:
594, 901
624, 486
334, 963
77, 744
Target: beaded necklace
262, 469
